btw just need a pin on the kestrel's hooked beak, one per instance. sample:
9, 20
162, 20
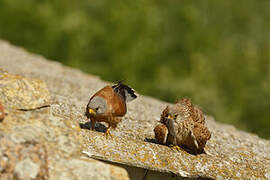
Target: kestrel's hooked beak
170, 117
92, 112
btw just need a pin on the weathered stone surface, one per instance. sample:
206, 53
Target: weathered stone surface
26, 169
39, 139
18, 92
230, 153
23, 161
84, 169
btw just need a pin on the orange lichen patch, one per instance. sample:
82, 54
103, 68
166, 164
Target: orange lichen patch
5, 75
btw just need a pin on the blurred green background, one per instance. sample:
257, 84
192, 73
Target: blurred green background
215, 52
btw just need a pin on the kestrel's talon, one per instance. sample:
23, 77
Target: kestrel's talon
175, 147
107, 133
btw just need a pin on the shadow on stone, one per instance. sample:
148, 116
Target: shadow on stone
190, 151
142, 173
99, 127
151, 140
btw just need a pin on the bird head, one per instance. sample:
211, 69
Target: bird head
97, 106
172, 113
169, 113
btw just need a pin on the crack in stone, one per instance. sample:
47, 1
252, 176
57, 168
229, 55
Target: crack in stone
34, 109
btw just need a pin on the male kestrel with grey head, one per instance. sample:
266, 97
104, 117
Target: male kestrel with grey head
109, 105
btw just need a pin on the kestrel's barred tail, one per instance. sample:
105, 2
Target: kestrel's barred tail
127, 93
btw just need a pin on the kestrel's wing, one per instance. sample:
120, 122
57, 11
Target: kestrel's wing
184, 134
202, 134
164, 115
161, 133
116, 106
197, 115
194, 112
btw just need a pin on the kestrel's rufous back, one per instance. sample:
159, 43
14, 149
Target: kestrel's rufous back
109, 105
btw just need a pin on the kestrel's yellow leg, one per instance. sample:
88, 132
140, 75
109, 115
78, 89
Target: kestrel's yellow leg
107, 133
93, 123
175, 147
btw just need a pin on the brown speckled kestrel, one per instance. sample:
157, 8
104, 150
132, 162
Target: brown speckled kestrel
186, 126
109, 105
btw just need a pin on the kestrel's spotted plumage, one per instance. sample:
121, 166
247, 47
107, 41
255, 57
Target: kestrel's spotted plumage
186, 126
161, 133
109, 105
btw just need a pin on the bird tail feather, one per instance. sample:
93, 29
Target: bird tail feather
126, 92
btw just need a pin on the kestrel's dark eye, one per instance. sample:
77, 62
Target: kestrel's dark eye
175, 116
96, 109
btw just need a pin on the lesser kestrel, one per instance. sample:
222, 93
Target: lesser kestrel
109, 105
186, 126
